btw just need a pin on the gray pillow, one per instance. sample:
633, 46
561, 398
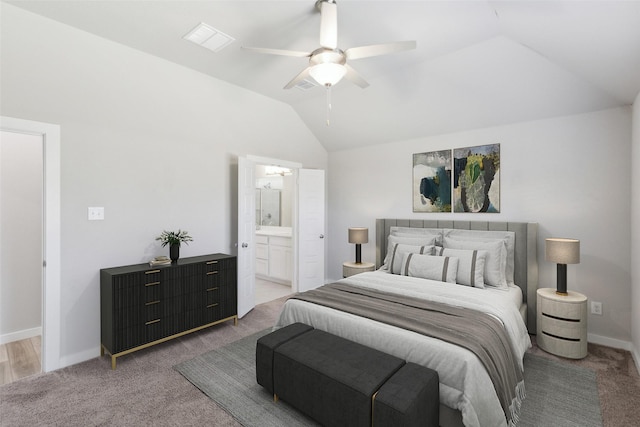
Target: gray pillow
441, 268
417, 240
399, 249
509, 237
410, 231
470, 265
495, 261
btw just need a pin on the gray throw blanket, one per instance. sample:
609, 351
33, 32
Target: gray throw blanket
478, 332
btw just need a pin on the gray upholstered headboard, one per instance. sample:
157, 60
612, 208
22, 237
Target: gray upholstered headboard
526, 256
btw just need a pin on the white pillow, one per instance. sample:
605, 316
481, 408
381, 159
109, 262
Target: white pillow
470, 265
509, 238
495, 262
410, 231
441, 268
399, 249
414, 240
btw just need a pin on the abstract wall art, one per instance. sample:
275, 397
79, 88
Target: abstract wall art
476, 179
432, 181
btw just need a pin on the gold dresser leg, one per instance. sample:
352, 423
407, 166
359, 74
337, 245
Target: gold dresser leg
275, 398
113, 363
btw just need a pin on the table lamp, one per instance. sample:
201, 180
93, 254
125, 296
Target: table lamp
358, 235
562, 251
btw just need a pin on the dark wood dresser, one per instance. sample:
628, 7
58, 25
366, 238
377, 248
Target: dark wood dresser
141, 306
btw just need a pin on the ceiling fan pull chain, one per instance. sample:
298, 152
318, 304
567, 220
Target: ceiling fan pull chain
328, 86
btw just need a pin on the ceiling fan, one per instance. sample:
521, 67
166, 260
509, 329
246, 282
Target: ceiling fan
328, 64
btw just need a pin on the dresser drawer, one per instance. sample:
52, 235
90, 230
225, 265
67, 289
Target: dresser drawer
561, 310
562, 328
280, 241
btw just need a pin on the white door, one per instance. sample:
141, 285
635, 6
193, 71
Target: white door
310, 229
246, 236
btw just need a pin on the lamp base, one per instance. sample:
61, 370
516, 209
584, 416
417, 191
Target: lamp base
561, 288
358, 253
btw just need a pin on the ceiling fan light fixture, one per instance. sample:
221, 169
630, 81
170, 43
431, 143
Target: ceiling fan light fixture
328, 73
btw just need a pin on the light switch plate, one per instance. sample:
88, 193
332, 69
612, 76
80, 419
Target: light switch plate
96, 213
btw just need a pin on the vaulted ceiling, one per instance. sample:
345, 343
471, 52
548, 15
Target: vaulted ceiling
477, 63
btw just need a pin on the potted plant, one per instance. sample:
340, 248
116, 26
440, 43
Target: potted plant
174, 239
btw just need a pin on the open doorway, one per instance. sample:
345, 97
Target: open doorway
308, 228
275, 188
49, 264
21, 254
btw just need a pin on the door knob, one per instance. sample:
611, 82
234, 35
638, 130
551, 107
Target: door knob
245, 245
322, 236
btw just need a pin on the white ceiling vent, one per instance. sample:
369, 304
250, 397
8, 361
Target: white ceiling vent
305, 85
207, 36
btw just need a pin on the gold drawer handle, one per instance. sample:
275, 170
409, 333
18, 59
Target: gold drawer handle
152, 302
152, 284
152, 271
211, 262
212, 305
212, 289
152, 322
212, 272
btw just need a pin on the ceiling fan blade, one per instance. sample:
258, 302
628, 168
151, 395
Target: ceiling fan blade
281, 52
328, 25
379, 49
354, 77
300, 77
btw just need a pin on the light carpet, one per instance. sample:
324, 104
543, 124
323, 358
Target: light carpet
558, 394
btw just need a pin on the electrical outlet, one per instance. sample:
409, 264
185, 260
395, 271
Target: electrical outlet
596, 308
96, 213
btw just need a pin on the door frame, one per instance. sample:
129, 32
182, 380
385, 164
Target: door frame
50, 134
246, 291
294, 166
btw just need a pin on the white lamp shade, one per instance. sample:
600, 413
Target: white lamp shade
327, 73
562, 251
358, 235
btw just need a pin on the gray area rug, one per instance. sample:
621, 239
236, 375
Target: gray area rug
558, 394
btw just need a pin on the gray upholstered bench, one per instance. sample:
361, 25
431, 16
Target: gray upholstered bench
339, 382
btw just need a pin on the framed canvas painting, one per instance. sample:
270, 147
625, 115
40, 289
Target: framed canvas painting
432, 181
476, 179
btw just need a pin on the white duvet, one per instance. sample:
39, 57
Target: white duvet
464, 383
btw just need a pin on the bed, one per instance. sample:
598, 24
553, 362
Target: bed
405, 264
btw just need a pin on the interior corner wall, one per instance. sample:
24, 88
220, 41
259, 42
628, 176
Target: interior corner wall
571, 175
635, 233
154, 143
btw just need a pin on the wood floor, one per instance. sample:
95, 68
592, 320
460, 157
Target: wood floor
20, 359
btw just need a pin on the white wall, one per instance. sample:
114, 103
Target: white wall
154, 143
571, 175
21, 170
635, 233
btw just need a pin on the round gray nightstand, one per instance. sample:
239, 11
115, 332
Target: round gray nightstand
351, 268
562, 323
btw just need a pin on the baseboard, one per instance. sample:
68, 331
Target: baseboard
636, 358
79, 357
610, 342
20, 335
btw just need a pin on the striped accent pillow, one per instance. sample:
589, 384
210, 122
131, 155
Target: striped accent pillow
440, 268
397, 250
470, 266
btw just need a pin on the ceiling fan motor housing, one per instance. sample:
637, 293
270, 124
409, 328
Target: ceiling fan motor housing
323, 56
